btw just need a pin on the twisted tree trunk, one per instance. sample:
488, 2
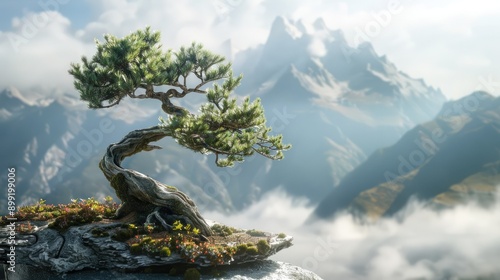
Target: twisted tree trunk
148, 198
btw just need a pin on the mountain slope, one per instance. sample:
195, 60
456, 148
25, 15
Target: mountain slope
455, 156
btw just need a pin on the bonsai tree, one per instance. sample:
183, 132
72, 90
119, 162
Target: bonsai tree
136, 66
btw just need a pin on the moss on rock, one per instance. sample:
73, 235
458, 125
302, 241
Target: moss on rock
263, 247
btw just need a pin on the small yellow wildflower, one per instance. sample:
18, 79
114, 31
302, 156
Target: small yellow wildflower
177, 225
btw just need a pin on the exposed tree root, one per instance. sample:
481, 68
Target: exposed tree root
140, 193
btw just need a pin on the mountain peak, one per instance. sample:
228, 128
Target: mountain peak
319, 24
482, 95
283, 46
14, 95
478, 100
368, 48
286, 29
12, 98
283, 27
321, 61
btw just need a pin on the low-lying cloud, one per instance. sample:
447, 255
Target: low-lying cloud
456, 243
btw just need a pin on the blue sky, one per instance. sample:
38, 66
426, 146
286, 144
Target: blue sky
80, 12
450, 44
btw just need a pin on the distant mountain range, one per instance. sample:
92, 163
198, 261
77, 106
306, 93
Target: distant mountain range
335, 103
446, 161
341, 105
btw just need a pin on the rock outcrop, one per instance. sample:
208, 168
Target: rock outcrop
262, 270
84, 252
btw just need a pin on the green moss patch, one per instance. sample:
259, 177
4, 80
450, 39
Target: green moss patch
63, 216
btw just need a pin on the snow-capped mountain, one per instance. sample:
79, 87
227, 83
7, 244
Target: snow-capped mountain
353, 81
335, 103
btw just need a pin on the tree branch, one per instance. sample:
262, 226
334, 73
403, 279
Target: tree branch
141, 96
110, 105
263, 154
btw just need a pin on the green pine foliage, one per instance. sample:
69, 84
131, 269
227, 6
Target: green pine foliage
137, 61
136, 64
229, 131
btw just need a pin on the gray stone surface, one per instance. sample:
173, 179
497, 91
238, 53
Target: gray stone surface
261, 270
47, 252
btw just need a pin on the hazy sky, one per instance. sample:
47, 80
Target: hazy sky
450, 44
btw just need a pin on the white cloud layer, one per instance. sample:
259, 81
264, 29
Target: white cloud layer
36, 54
421, 244
450, 44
